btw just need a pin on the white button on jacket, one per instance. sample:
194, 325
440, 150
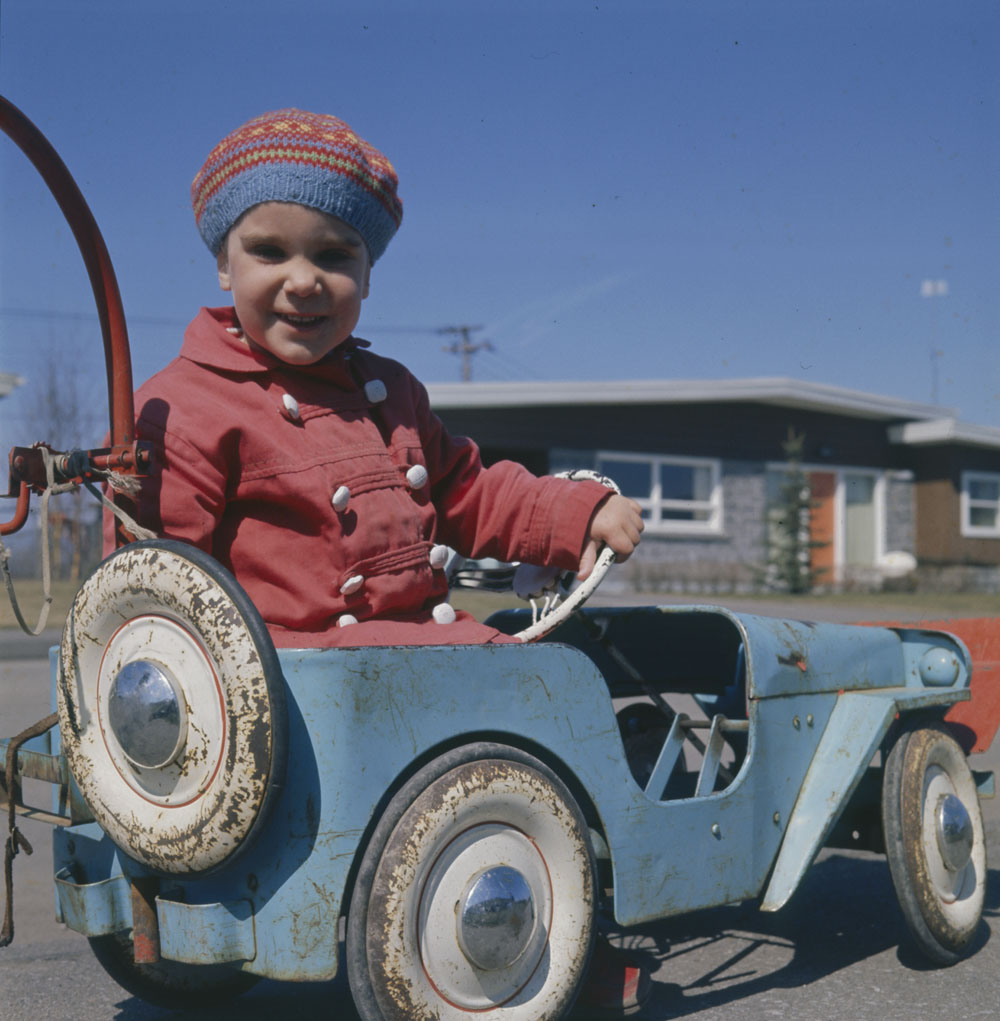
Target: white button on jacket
444, 613
291, 406
416, 477
340, 499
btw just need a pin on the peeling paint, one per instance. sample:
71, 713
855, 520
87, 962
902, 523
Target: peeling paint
484, 810
196, 811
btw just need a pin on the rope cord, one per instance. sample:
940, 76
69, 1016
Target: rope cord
50, 489
117, 481
131, 525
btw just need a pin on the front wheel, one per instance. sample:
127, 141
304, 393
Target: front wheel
934, 841
475, 895
168, 983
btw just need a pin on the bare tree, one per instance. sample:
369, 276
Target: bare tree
66, 409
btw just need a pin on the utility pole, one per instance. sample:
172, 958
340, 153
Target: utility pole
934, 289
464, 346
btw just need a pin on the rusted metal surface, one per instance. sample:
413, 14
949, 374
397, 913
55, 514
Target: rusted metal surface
37, 766
151, 603
145, 926
17, 522
53, 769
16, 841
27, 464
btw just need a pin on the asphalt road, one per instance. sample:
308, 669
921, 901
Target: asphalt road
839, 950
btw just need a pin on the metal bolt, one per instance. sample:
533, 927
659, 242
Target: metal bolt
796, 723
777, 818
252, 882
716, 831
809, 720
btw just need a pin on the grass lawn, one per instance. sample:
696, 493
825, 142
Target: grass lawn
29, 597
861, 605
944, 604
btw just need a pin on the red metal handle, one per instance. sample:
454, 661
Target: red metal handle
95, 256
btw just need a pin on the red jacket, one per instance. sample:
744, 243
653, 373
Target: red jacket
328, 489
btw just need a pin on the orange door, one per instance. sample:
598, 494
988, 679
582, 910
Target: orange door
823, 486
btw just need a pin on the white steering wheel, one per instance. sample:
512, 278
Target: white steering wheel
551, 590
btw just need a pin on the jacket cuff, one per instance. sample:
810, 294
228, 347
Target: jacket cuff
567, 508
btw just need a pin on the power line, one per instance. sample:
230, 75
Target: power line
83, 317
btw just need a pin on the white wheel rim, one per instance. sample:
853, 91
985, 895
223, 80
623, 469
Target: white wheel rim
456, 978
959, 891
163, 641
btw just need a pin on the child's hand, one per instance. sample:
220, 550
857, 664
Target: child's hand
617, 521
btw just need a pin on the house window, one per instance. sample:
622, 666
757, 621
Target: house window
980, 504
678, 495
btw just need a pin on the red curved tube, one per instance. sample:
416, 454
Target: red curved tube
95, 256
20, 511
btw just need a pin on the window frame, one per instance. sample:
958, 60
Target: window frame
967, 503
655, 504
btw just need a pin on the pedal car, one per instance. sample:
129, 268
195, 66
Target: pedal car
460, 814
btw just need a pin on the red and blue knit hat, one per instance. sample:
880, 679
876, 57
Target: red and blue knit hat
311, 159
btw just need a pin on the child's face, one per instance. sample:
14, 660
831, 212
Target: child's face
298, 278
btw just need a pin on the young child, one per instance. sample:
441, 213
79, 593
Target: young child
309, 466
313, 468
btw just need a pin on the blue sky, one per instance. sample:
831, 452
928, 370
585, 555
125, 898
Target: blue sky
612, 190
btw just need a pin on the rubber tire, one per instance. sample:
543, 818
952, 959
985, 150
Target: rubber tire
380, 994
942, 932
225, 819
169, 983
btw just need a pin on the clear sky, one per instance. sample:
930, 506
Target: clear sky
693, 189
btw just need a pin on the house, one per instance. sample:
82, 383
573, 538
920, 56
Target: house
894, 483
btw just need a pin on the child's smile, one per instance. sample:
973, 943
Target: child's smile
298, 277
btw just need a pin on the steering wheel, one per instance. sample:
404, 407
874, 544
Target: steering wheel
553, 593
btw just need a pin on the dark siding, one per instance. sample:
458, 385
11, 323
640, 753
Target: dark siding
752, 432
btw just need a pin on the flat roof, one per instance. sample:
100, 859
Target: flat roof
944, 430
784, 392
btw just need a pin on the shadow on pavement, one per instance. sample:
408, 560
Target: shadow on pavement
845, 912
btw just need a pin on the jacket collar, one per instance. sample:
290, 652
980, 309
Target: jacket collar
209, 342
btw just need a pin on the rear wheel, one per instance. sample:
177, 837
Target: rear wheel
168, 983
935, 841
475, 894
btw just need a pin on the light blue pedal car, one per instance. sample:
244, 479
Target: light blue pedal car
461, 814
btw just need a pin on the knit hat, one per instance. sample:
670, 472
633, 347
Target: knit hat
311, 159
